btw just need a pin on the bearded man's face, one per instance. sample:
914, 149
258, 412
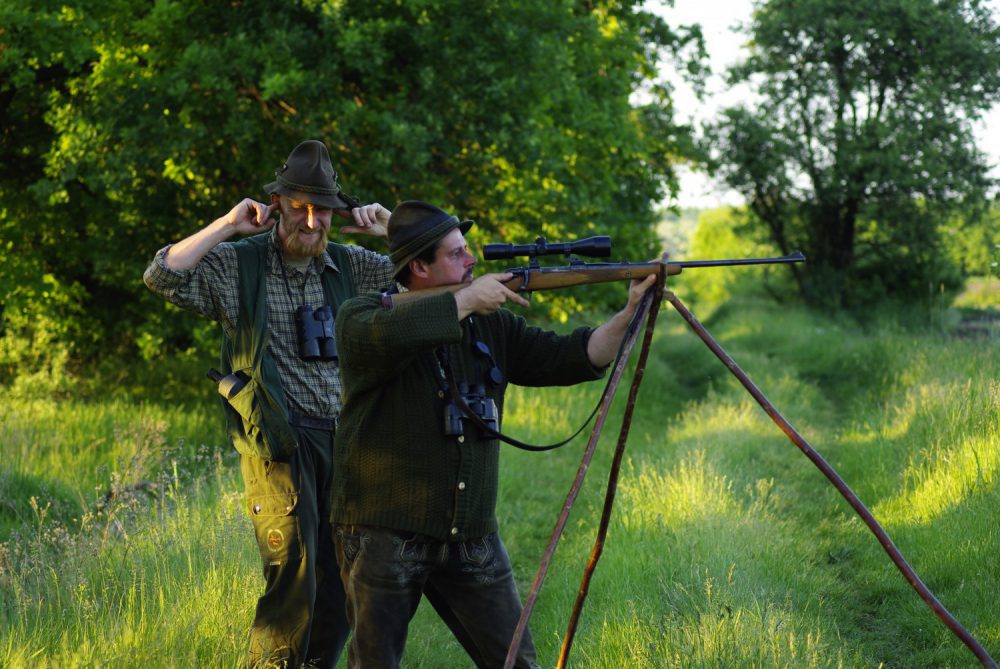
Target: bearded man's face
303, 228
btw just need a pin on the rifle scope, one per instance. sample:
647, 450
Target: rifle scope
592, 247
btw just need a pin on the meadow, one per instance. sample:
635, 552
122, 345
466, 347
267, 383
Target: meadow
124, 542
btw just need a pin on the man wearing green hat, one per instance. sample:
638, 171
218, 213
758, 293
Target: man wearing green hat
415, 483
275, 294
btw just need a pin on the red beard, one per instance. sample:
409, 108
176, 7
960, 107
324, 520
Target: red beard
297, 247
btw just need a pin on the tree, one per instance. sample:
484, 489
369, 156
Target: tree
859, 148
128, 124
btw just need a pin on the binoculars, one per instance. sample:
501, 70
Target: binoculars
314, 330
481, 404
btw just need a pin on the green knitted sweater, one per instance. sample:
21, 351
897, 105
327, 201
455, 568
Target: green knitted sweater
393, 465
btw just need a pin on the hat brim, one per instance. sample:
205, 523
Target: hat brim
327, 201
404, 260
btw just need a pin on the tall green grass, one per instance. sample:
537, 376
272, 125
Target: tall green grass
74, 455
727, 547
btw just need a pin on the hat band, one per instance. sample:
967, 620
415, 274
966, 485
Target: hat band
305, 188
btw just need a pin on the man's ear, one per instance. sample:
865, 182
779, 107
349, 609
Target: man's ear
419, 268
276, 203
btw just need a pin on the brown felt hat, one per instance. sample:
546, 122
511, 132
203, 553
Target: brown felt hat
308, 176
414, 226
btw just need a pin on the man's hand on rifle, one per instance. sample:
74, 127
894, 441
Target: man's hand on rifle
636, 289
486, 294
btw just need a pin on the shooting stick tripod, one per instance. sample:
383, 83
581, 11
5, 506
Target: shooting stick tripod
649, 309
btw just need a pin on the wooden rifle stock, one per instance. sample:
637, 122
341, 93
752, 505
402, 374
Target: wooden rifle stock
533, 277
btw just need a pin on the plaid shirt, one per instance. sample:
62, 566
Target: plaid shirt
212, 289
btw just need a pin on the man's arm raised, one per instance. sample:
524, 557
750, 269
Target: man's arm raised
370, 219
605, 340
246, 218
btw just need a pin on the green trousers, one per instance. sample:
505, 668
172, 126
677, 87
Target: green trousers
300, 618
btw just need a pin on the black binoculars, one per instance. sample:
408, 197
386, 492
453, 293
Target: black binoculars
315, 333
481, 404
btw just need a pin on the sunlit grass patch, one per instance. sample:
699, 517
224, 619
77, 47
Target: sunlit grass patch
669, 527
704, 570
74, 438
692, 516
941, 408
719, 422
706, 633
944, 481
691, 491
959, 421
979, 293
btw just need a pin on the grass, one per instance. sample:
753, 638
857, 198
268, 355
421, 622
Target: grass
75, 455
727, 547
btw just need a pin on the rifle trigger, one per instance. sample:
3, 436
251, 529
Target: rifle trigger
523, 288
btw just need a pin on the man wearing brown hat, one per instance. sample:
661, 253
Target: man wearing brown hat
275, 294
415, 483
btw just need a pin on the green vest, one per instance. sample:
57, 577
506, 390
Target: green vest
257, 413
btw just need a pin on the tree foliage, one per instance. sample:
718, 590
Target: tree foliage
127, 125
859, 147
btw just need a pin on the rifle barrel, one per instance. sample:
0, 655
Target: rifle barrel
545, 278
791, 257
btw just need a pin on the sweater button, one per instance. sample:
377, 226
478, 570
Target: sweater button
461, 438
461, 485
454, 531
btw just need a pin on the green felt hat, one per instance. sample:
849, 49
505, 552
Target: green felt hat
308, 176
414, 226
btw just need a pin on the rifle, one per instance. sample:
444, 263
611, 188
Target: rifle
577, 272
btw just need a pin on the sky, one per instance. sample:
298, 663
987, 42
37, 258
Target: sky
725, 47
